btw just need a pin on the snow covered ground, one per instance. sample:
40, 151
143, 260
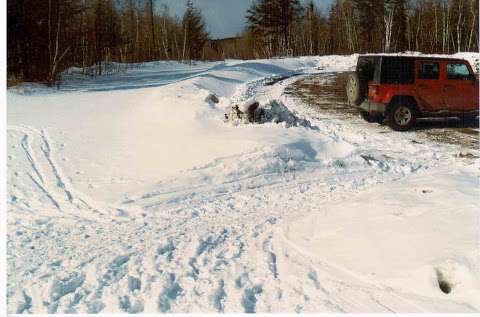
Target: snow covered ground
145, 200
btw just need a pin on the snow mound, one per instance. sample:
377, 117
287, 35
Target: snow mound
262, 167
274, 111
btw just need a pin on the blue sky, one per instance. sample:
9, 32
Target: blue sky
224, 18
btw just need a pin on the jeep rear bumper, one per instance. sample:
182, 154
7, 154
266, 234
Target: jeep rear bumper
372, 106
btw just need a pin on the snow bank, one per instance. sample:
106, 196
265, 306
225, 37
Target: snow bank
145, 134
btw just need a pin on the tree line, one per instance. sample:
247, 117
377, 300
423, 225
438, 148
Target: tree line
44, 37
286, 27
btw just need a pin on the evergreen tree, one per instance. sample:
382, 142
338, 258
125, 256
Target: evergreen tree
274, 18
194, 33
370, 16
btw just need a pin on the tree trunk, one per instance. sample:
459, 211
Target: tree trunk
152, 25
184, 44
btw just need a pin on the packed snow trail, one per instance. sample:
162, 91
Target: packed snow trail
146, 201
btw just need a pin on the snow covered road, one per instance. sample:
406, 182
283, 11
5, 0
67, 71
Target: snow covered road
144, 200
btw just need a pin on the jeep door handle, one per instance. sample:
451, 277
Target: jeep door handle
423, 86
450, 86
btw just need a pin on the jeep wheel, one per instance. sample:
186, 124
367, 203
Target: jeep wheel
371, 118
356, 89
401, 117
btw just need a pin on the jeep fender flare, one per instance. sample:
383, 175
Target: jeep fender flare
404, 99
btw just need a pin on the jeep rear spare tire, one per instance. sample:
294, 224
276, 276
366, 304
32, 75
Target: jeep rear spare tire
401, 117
356, 89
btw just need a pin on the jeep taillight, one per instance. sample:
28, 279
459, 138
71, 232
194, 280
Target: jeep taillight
374, 92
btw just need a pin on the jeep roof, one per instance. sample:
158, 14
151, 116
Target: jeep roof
394, 69
412, 56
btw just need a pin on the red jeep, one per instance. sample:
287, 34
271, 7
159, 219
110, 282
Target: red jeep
400, 89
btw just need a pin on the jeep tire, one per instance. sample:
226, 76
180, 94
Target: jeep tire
401, 117
356, 89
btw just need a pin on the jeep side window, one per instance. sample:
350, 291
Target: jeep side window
397, 70
429, 70
457, 71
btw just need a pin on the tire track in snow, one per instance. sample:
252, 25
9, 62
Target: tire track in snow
46, 149
42, 180
59, 185
33, 162
49, 196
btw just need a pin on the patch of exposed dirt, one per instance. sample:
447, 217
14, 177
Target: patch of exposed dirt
326, 93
